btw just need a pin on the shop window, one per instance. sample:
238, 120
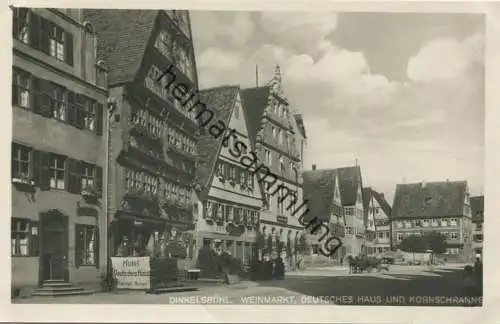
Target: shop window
86, 248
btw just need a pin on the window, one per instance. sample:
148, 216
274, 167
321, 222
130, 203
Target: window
59, 102
90, 114
88, 177
349, 211
20, 25
185, 63
282, 165
57, 168
454, 236
21, 85
400, 236
278, 136
315, 248
453, 222
425, 223
21, 161
380, 235
273, 130
56, 40
86, 245
348, 230
479, 226
399, 224
20, 237
268, 157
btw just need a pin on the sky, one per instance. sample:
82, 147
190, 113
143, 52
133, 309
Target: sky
400, 93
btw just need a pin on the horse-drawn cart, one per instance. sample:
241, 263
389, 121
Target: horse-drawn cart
365, 263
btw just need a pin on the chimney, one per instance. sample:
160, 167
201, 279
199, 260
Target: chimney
314, 167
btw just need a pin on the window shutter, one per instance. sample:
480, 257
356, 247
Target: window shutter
15, 89
37, 96
34, 32
37, 167
97, 247
71, 108
74, 176
79, 116
98, 180
99, 118
78, 244
45, 104
34, 239
68, 47
46, 31
45, 172
237, 175
15, 22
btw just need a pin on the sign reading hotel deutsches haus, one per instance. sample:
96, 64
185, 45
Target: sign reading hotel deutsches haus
132, 272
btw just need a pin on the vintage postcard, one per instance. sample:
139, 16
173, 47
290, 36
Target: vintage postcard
226, 159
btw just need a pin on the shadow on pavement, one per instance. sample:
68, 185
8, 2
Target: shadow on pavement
445, 289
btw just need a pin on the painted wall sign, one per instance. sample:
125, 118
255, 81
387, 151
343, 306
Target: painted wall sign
131, 272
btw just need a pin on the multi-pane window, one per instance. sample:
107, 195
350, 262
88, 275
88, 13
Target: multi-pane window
349, 211
454, 235
86, 245
57, 169
56, 40
20, 232
20, 27
348, 230
185, 63
88, 176
21, 88
59, 102
90, 115
21, 161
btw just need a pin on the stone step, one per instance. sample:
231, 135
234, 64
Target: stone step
62, 293
57, 284
56, 289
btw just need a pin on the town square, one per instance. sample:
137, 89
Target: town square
247, 158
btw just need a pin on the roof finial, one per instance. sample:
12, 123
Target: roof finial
277, 73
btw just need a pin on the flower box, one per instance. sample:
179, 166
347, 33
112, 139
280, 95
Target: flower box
23, 180
89, 192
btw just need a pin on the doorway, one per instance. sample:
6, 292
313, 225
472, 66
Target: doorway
54, 246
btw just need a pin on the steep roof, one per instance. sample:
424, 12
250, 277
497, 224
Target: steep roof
122, 36
255, 100
300, 124
349, 181
382, 202
221, 101
319, 189
434, 199
477, 208
368, 194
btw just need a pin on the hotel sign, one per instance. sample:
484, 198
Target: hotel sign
131, 272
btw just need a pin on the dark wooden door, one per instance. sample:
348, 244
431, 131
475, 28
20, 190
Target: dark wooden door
54, 248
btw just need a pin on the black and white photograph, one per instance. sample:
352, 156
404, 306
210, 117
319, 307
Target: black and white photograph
217, 157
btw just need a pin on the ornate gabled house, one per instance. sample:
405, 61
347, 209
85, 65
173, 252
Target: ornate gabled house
58, 160
351, 191
322, 190
377, 221
152, 146
477, 209
274, 128
230, 199
442, 206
